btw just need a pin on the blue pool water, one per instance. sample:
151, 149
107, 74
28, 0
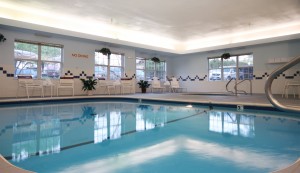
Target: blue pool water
117, 137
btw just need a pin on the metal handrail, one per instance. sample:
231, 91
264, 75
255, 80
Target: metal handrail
235, 86
268, 85
227, 86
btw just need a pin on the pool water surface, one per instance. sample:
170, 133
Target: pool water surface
119, 137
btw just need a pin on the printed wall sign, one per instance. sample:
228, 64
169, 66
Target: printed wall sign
78, 55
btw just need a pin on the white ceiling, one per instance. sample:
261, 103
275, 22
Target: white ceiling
177, 26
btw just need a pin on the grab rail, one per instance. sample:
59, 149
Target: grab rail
268, 85
235, 86
228, 89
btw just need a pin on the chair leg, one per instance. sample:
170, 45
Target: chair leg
42, 90
283, 93
27, 92
17, 92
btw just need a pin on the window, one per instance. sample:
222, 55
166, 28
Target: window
40, 60
109, 68
146, 69
236, 67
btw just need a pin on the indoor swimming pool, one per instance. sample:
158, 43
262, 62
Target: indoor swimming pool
123, 137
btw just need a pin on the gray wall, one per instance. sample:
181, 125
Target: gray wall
184, 66
191, 65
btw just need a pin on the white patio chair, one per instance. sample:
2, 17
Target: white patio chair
174, 85
155, 85
65, 83
127, 85
294, 85
109, 86
48, 83
27, 83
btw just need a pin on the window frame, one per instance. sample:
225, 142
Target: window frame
236, 68
109, 66
155, 71
39, 60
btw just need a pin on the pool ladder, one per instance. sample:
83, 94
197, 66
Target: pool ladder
268, 85
236, 91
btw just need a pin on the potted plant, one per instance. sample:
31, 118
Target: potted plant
89, 85
2, 38
105, 51
225, 55
143, 84
155, 59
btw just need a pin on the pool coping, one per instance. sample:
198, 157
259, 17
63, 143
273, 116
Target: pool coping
141, 98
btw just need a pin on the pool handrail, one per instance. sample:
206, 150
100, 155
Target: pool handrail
268, 90
236, 91
250, 87
228, 89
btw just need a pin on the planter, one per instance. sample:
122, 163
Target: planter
89, 92
144, 90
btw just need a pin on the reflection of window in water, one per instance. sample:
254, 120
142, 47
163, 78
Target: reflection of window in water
140, 125
115, 125
215, 122
230, 124
100, 128
247, 126
24, 141
144, 120
235, 124
49, 137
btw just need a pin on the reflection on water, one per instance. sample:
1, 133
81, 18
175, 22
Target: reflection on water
190, 136
32, 137
232, 123
100, 128
115, 125
147, 117
47, 129
39, 130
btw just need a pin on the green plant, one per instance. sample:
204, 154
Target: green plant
143, 84
2, 38
89, 84
225, 55
155, 59
105, 51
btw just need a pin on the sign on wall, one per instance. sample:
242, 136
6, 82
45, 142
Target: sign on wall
78, 55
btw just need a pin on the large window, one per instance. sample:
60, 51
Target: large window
235, 67
40, 60
109, 68
146, 69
